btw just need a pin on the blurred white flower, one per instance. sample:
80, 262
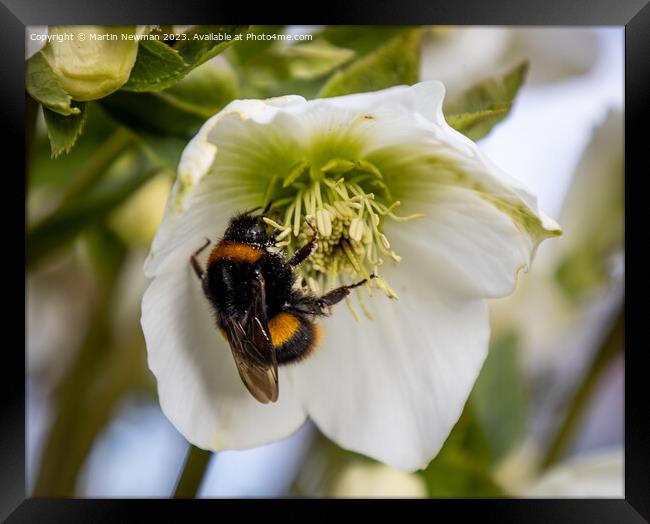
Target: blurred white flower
368, 480
597, 474
461, 57
555, 53
579, 102
393, 388
579, 269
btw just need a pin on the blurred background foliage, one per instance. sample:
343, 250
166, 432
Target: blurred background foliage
100, 170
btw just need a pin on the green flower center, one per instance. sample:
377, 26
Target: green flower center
347, 202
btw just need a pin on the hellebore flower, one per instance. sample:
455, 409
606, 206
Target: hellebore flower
392, 387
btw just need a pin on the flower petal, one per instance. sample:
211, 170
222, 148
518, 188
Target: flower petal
394, 387
198, 385
481, 221
475, 249
414, 147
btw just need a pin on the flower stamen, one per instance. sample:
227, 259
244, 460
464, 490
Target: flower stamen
349, 219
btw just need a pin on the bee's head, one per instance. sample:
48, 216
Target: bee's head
248, 228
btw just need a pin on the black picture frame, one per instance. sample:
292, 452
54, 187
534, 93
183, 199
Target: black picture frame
15, 15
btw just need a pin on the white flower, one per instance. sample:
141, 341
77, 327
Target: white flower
360, 480
461, 57
598, 473
393, 387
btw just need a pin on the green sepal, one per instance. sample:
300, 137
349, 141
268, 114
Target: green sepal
63, 131
394, 63
44, 87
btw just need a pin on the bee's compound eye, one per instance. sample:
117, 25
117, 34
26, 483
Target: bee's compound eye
255, 231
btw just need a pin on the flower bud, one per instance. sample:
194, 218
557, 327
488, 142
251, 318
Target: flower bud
91, 62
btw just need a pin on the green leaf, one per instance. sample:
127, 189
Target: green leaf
42, 84
281, 70
312, 60
63, 131
475, 112
52, 175
205, 91
176, 113
499, 398
151, 113
296, 69
163, 122
165, 150
361, 40
158, 124
157, 67
396, 62
249, 48
206, 41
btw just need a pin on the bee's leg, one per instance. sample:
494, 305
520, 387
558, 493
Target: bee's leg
338, 294
195, 263
303, 253
267, 207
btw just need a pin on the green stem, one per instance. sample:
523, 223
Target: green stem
612, 344
97, 164
193, 473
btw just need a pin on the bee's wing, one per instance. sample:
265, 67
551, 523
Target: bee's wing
252, 349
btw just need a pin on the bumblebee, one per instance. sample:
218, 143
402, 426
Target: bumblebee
267, 321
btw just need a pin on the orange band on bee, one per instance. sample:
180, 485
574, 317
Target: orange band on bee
282, 327
235, 251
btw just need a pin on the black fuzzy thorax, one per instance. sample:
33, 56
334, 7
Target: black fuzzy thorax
232, 286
